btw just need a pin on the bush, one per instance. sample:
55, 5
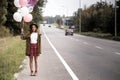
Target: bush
100, 35
11, 57
116, 38
4, 32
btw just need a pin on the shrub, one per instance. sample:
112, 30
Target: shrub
4, 32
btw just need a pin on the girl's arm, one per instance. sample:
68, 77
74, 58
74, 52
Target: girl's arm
24, 37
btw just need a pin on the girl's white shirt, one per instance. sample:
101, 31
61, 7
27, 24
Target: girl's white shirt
34, 37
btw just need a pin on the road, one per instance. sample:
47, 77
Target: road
75, 57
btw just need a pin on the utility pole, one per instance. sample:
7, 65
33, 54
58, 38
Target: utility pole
80, 11
115, 18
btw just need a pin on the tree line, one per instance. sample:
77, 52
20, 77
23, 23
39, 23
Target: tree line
99, 17
8, 25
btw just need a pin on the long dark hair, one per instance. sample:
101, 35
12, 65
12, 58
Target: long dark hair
31, 27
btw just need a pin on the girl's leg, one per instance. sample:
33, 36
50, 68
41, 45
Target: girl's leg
36, 64
31, 64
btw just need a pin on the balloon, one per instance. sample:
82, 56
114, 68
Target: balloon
19, 10
24, 11
23, 2
28, 18
16, 3
17, 17
30, 8
32, 2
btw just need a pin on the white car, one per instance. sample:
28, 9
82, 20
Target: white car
69, 32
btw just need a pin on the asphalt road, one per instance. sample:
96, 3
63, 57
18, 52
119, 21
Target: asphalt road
75, 58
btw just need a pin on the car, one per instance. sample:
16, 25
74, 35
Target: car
69, 31
43, 24
49, 26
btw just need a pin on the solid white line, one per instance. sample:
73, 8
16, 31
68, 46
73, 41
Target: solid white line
74, 77
98, 47
117, 53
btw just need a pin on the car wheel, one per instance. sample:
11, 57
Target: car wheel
66, 33
72, 34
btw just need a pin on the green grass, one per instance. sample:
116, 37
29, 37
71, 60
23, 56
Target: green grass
11, 57
101, 35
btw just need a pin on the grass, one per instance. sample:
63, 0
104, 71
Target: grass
12, 51
101, 35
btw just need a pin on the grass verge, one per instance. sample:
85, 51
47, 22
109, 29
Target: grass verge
12, 51
101, 35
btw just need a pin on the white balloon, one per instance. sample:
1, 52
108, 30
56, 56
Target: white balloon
19, 10
24, 11
30, 8
16, 3
17, 17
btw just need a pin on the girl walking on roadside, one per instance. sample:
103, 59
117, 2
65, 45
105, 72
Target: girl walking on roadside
33, 47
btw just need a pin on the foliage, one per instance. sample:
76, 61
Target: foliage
7, 9
11, 57
4, 32
98, 17
37, 12
11, 23
59, 22
3, 11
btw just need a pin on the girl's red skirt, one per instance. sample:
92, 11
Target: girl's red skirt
33, 50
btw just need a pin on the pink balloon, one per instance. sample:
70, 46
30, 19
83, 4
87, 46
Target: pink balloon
23, 2
28, 18
32, 2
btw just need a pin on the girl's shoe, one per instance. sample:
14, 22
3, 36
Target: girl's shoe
31, 74
35, 74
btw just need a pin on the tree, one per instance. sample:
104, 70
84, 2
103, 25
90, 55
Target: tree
3, 11
37, 12
59, 22
98, 18
11, 23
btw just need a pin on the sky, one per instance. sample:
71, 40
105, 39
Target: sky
66, 7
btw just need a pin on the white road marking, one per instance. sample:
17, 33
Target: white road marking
74, 39
72, 74
21, 66
85, 43
16, 76
117, 53
79, 35
98, 47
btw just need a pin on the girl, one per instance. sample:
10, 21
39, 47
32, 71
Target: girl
33, 47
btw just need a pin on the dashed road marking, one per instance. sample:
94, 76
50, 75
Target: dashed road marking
74, 39
98, 47
85, 43
72, 74
117, 53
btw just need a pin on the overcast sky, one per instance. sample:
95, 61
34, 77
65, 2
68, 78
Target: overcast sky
67, 7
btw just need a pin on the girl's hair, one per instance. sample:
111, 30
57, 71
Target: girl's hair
31, 27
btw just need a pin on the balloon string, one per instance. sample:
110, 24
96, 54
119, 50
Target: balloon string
22, 29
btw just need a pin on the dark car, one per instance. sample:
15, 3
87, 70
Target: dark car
43, 24
49, 26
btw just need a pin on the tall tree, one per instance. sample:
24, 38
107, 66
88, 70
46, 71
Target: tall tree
98, 18
11, 23
3, 11
37, 12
